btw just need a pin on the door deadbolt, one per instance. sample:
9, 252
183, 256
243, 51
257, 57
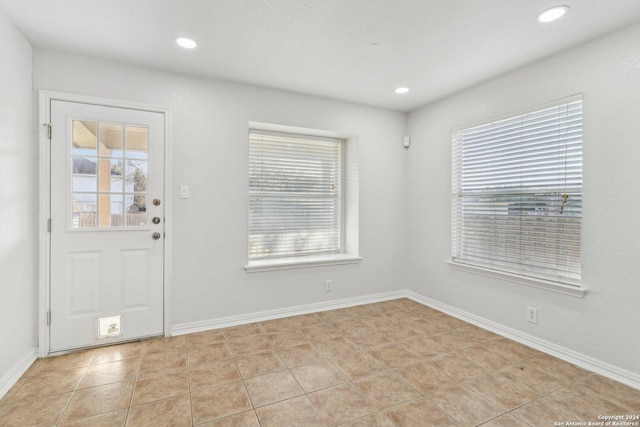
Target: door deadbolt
155, 236
156, 202
156, 220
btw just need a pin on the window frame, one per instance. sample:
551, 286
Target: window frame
566, 286
349, 209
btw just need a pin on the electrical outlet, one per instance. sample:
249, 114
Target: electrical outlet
532, 314
328, 286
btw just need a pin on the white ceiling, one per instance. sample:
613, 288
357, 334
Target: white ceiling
324, 47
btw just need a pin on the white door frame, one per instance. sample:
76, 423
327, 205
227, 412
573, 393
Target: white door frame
44, 191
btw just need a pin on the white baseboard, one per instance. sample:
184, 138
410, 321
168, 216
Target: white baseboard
586, 362
17, 370
262, 316
615, 373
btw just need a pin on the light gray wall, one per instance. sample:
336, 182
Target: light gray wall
18, 200
604, 324
210, 154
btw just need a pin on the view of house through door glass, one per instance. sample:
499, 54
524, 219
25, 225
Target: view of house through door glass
109, 177
107, 224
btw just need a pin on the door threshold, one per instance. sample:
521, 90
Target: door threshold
101, 345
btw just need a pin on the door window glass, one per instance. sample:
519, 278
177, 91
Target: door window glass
109, 175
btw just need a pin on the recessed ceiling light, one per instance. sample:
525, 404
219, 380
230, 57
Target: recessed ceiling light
402, 90
553, 13
186, 42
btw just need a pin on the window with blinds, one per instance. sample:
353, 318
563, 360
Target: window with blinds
517, 194
294, 195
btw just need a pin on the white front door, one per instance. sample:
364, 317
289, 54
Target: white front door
107, 224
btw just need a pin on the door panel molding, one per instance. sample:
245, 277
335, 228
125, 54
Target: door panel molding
134, 261
44, 195
86, 302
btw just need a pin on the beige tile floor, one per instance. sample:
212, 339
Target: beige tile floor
394, 363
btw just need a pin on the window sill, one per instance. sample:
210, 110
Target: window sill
548, 285
300, 262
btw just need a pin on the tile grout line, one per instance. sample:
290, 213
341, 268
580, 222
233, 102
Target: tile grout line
75, 389
133, 389
186, 350
244, 384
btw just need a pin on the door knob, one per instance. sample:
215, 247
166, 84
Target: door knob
155, 236
156, 202
156, 220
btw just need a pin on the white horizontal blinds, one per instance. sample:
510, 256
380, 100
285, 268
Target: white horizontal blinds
294, 192
517, 194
